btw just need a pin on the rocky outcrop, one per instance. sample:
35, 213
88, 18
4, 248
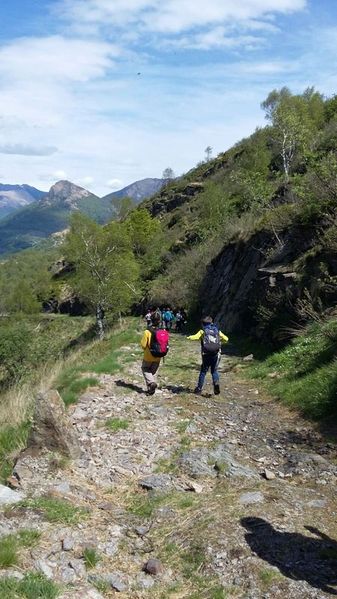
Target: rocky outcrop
51, 427
270, 281
171, 197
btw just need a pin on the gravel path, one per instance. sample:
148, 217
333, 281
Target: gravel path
230, 495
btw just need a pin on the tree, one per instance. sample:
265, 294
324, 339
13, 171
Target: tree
146, 239
208, 153
295, 120
168, 173
106, 270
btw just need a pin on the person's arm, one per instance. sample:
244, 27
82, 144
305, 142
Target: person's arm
145, 339
223, 337
197, 336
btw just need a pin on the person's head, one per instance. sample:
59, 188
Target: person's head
253, 524
156, 319
206, 320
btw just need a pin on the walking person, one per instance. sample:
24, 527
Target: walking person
148, 318
211, 338
155, 343
179, 321
168, 318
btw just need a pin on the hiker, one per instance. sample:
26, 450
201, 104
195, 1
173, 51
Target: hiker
155, 345
183, 316
179, 321
148, 318
210, 337
168, 318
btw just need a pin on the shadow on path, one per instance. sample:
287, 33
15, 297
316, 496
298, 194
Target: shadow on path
131, 386
177, 389
298, 557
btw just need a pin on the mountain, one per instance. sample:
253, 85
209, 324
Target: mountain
14, 197
140, 190
36, 221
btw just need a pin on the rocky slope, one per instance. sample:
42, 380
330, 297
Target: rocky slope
271, 280
207, 497
14, 197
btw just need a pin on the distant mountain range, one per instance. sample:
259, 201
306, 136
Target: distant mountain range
36, 218
139, 190
13, 197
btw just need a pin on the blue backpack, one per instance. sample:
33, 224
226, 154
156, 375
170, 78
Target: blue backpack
211, 342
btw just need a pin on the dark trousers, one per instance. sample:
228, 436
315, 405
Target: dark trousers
209, 361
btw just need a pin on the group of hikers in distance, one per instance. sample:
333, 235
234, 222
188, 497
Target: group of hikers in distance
155, 343
168, 318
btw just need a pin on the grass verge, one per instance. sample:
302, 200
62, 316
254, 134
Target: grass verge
55, 510
32, 586
304, 374
100, 357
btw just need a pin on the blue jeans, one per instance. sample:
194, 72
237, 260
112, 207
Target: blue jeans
209, 361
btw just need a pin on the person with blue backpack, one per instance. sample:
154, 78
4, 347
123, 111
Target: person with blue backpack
168, 318
211, 338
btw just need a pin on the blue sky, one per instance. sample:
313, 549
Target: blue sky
105, 92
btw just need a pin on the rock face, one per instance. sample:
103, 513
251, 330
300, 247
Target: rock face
258, 285
51, 428
67, 192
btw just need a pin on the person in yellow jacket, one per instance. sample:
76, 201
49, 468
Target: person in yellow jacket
211, 339
150, 363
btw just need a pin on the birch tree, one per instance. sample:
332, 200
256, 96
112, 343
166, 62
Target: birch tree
295, 119
106, 270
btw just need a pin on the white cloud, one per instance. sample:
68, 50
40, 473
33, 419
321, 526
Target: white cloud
174, 16
55, 59
87, 180
26, 150
216, 38
58, 175
114, 184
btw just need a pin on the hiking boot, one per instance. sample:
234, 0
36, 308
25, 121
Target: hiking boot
197, 391
152, 388
217, 389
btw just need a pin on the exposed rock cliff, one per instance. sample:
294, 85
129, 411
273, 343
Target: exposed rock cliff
272, 281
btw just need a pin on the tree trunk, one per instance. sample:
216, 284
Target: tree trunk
100, 321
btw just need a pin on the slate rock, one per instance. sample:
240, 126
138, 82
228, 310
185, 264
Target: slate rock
44, 568
156, 482
153, 566
68, 544
250, 498
141, 531
269, 475
115, 580
317, 503
144, 582
51, 426
8, 497
203, 461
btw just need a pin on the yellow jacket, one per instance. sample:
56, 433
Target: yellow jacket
145, 343
201, 333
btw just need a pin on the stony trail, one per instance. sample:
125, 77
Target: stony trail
233, 494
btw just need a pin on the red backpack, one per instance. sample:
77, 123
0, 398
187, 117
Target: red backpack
159, 344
